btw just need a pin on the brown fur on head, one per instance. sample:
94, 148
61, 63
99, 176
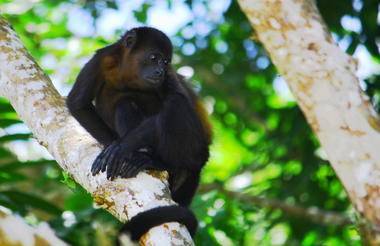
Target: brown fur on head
145, 59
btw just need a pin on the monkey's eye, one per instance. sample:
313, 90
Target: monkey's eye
153, 57
166, 62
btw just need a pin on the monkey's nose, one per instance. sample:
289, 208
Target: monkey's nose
159, 72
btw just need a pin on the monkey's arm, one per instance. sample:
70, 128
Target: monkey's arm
79, 102
178, 123
127, 117
117, 157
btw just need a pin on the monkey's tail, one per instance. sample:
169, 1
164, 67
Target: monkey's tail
142, 222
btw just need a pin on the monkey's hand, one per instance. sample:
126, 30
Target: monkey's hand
141, 160
118, 162
110, 158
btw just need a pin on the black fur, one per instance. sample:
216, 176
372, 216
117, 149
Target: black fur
147, 117
142, 222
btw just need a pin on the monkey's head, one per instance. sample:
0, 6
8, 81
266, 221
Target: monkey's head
146, 57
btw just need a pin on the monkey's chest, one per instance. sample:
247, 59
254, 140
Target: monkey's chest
147, 104
129, 104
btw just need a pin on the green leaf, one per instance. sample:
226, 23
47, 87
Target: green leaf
11, 177
142, 15
33, 201
5, 154
12, 137
78, 202
17, 165
8, 203
7, 122
68, 180
111, 4
5, 107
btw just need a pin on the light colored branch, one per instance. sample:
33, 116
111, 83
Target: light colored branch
43, 110
15, 231
322, 79
314, 214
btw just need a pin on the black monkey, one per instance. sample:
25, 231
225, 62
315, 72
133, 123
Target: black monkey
147, 117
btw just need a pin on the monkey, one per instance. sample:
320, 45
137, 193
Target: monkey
130, 99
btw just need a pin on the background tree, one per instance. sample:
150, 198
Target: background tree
322, 78
267, 174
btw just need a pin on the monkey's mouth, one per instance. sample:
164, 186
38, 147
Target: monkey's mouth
153, 80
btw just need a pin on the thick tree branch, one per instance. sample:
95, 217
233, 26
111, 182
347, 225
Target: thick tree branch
43, 110
322, 79
15, 231
314, 214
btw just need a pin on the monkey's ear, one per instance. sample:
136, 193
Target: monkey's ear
130, 38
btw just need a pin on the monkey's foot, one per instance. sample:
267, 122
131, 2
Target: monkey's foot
139, 161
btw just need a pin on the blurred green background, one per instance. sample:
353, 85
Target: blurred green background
267, 181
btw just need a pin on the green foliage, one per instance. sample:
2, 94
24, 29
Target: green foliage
263, 147
142, 14
68, 181
26, 200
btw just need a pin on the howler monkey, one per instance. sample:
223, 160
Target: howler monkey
147, 117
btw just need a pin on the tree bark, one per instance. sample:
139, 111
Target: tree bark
43, 110
322, 79
15, 231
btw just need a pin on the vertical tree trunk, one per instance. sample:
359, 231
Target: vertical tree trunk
322, 79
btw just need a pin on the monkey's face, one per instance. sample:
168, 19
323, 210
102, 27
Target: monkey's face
145, 59
153, 66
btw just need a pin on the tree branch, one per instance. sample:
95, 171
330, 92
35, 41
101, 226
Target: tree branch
43, 110
15, 231
314, 214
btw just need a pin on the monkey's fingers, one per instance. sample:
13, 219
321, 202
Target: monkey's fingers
113, 170
137, 164
95, 168
99, 164
144, 166
123, 167
132, 168
107, 156
115, 163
